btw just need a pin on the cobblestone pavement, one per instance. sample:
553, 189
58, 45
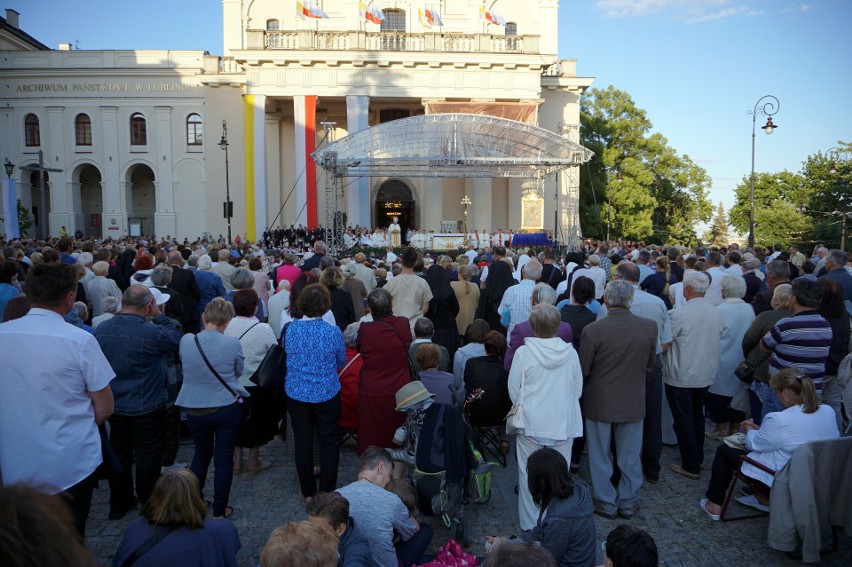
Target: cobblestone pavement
669, 512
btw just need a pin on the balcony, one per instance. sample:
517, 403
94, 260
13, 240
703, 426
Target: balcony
313, 40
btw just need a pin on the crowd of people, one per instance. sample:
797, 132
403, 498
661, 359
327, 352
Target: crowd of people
155, 340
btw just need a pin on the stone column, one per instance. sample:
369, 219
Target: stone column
515, 189
165, 222
358, 200
304, 118
61, 210
431, 195
113, 187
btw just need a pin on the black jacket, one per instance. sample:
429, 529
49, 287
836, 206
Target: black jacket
183, 282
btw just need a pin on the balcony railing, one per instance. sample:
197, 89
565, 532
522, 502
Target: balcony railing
391, 41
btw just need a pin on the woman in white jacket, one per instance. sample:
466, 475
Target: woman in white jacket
773, 442
546, 379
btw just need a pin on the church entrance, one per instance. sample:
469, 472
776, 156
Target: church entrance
395, 199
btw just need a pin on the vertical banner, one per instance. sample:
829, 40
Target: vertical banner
10, 209
255, 228
248, 143
310, 166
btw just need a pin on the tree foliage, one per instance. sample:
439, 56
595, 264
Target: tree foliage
718, 234
802, 207
642, 188
25, 221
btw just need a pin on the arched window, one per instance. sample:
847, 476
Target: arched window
194, 130
394, 20
273, 25
511, 28
32, 133
83, 130
138, 130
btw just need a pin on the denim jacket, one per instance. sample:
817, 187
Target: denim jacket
136, 349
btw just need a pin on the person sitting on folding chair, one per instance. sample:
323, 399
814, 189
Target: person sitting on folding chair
488, 414
772, 443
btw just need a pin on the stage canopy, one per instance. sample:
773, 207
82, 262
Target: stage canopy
451, 145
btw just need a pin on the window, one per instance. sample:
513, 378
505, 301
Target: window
194, 130
273, 25
511, 28
392, 114
394, 20
83, 130
138, 131
32, 133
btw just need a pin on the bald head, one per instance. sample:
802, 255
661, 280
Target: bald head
628, 271
135, 299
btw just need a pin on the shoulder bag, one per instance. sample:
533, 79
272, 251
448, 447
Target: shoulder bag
273, 368
515, 417
237, 397
412, 369
159, 533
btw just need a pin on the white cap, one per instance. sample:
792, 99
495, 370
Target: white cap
160, 297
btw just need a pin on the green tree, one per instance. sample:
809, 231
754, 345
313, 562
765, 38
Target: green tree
779, 202
718, 234
25, 221
829, 182
642, 188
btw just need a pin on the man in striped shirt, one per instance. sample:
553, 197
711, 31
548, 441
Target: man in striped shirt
801, 341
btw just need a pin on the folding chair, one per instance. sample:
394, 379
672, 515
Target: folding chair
758, 487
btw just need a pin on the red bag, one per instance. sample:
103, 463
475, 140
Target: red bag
452, 555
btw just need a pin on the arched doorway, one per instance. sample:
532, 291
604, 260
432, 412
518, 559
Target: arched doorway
40, 218
395, 199
88, 200
141, 200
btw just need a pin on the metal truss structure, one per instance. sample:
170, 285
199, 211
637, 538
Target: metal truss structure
443, 146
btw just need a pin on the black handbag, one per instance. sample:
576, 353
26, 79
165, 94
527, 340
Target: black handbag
745, 372
273, 368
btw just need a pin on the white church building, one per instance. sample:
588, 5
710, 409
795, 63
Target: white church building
134, 137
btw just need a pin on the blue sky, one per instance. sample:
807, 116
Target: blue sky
695, 66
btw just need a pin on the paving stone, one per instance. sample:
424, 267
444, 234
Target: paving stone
685, 536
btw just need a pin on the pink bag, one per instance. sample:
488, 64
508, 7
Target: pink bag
452, 555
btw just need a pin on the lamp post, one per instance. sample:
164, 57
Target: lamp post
10, 168
229, 207
466, 202
835, 156
769, 108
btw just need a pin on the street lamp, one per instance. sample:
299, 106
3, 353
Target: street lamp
835, 155
769, 108
229, 206
10, 168
466, 202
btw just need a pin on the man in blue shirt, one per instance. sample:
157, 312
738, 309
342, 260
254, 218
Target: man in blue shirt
835, 266
136, 348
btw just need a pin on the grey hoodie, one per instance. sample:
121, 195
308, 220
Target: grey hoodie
567, 529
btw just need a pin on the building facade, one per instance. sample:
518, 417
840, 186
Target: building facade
136, 133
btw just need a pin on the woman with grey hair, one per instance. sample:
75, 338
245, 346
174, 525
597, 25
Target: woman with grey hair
547, 380
737, 316
244, 279
355, 288
383, 344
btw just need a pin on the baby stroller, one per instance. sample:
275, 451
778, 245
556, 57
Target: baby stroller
443, 461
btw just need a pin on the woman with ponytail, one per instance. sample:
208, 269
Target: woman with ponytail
658, 283
773, 442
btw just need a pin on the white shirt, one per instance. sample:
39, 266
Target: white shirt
714, 292
48, 433
594, 273
256, 340
328, 317
783, 432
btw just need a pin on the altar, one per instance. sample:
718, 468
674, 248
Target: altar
447, 241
